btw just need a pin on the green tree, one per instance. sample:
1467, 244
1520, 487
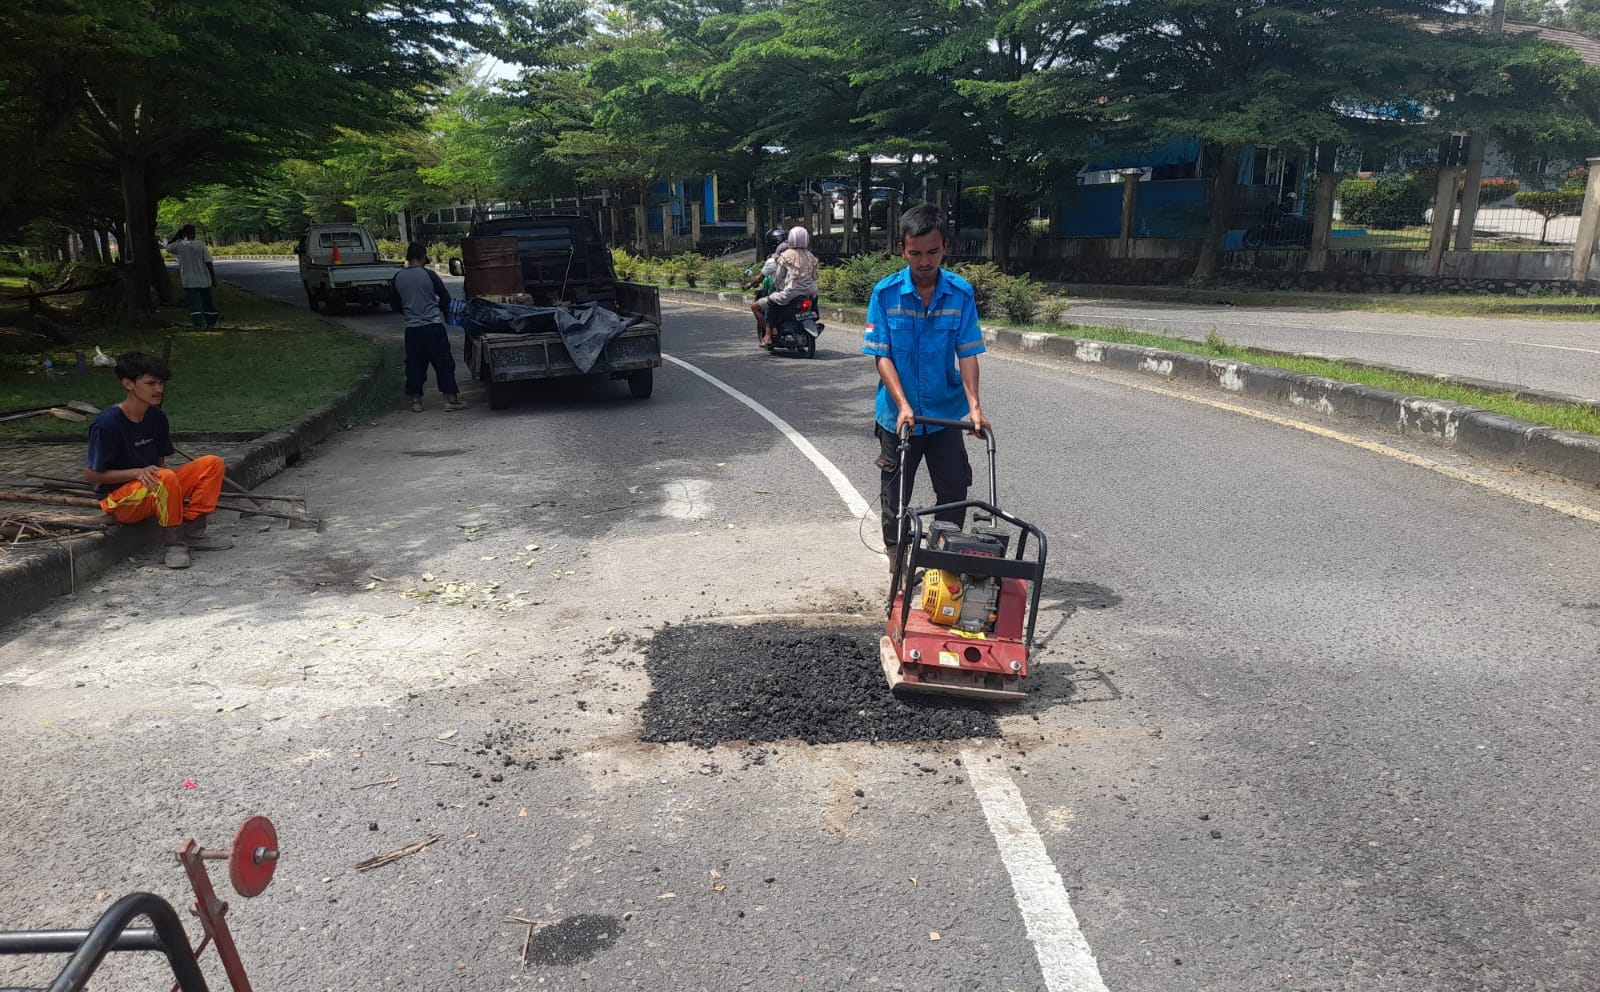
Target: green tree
1279, 72
188, 92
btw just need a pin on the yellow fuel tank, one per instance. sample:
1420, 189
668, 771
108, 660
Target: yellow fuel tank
941, 597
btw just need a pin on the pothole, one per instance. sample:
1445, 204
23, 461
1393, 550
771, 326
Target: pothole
714, 683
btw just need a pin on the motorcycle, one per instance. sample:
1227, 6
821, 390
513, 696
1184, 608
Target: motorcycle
796, 328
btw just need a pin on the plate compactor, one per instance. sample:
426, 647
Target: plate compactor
968, 628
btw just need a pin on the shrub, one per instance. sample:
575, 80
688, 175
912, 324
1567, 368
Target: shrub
391, 248
723, 275
1575, 180
1020, 298
690, 265
987, 280
1550, 204
253, 248
629, 267
1495, 190
1055, 308
1383, 204
441, 253
852, 280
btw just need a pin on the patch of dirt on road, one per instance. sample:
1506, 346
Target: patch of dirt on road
714, 683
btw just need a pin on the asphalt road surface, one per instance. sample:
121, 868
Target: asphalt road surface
1561, 356
1305, 715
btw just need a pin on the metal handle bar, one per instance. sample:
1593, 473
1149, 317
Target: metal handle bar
961, 425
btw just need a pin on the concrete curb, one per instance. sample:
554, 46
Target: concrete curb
1471, 429
31, 578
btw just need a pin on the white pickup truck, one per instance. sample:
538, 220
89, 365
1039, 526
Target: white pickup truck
339, 266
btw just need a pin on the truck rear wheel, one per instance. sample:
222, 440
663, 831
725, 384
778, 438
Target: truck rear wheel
394, 302
642, 383
311, 297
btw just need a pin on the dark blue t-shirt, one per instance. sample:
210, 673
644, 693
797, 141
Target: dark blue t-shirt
117, 442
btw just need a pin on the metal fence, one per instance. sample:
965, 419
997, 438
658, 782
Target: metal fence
1529, 211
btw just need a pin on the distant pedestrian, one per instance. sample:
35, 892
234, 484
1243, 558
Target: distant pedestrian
425, 301
198, 275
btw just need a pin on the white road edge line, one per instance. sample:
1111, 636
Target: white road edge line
1063, 952
852, 499
1059, 946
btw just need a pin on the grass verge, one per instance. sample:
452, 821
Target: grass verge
1569, 417
266, 367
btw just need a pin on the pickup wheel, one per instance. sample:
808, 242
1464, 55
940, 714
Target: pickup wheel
641, 383
311, 296
394, 302
335, 301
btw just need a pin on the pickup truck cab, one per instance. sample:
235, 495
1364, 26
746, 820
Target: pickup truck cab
339, 266
564, 264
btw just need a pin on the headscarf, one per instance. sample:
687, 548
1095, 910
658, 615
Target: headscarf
799, 237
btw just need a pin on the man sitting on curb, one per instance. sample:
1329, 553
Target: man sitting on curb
128, 448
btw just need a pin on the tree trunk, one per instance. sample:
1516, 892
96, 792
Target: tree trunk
1223, 186
864, 201
138, 245
159, 277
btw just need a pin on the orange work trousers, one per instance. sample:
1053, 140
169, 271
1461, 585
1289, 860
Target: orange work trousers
181, 495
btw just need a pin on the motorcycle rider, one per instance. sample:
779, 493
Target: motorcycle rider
796, 280
767, 279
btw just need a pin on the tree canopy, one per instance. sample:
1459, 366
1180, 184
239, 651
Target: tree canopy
271, 113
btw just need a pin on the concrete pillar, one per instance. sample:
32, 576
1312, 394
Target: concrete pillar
1588, 225
849, 200
641, 231
751, 225
1444, 211
1322, 221
1130, 203
694, 222
1469, 193
666, 229
892, 222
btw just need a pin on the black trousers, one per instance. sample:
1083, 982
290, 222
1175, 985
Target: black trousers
429, 345
951, 473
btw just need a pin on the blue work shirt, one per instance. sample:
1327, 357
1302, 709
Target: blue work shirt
925, 343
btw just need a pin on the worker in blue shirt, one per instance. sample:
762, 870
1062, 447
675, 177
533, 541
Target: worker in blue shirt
922, 331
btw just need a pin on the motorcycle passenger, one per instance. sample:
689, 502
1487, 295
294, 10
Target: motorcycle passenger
797, 279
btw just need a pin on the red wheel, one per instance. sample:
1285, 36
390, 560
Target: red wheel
254, 856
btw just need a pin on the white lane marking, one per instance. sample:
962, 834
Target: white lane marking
1063, 952
852, 499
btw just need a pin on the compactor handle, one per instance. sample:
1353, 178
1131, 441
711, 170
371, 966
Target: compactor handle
960, 425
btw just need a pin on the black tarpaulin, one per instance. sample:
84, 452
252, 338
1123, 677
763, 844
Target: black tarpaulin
584, 330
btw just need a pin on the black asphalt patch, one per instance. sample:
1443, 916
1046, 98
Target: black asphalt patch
713, 683
574, 939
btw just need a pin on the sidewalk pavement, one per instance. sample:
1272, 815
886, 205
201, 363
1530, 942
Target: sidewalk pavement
32, 573
1472, 430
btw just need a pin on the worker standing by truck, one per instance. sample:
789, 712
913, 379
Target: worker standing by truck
424, 300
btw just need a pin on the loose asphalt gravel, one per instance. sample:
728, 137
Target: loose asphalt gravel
715, 683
